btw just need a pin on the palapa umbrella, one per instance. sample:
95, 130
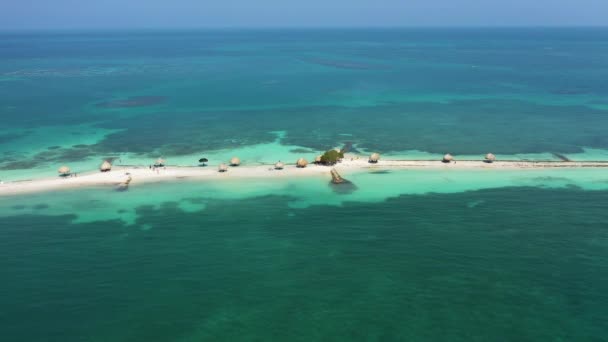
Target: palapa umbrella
447, 158
301, 163
374, 158
64, 171
235, 161
105, 166
490, 158
279, 165
222, 168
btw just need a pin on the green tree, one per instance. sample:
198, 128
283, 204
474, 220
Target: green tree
331, 157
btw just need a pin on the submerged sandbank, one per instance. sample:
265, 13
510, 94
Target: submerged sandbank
135, 175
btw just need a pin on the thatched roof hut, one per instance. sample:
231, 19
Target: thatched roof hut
235, 161
159, 162
279, 166
105, 166
64, 170
374, 158
302, 162
448, 158
222, 168
490, 158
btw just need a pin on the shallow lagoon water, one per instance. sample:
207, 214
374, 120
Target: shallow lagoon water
87, 205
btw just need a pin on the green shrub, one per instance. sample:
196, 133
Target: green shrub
331, 157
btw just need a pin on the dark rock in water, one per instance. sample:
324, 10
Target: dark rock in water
53, 147
346, 187
380, 172
18, 207
41, 206
135, 101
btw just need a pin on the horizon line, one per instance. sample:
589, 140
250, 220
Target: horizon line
278, 27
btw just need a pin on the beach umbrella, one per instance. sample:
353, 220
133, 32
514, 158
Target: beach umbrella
105, 166
447, 158
203, 160
159, 162
374, 158
64, 170
490, 158
301, 163
235, 161
279, 166
223, 167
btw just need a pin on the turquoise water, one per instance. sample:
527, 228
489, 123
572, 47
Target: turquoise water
471, 255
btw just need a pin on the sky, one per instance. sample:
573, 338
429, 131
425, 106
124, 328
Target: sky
118, 14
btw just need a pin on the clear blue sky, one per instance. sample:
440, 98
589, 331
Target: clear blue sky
66, 14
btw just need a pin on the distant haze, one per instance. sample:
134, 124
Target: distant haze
117, 14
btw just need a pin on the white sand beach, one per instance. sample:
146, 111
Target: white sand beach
135, 175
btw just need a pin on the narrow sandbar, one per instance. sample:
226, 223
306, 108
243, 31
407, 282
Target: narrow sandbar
143, 174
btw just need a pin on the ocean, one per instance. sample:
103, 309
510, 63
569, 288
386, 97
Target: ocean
404, 255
